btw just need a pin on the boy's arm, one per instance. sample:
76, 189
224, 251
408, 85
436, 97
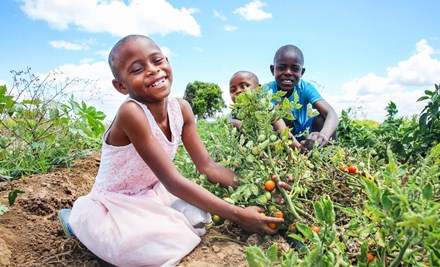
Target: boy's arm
280, 126
331, 121
236, 123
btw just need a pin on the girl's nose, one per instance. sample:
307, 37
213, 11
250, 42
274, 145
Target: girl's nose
151, 69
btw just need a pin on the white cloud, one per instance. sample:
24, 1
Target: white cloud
419, 69
114, 17
253, 11
403, 85
68, 45
230, 28
218, 15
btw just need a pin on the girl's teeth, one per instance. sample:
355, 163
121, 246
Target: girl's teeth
158, 83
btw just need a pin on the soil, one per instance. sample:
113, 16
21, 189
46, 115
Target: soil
30, 234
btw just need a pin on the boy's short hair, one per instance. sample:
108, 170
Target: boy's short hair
289, 48
246, 72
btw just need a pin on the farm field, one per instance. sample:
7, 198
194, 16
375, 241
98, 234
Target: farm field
369, 199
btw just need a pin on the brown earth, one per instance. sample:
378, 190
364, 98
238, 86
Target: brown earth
30, 234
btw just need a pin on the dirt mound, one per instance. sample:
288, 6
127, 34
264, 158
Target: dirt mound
31, 236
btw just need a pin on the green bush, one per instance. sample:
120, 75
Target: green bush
41, 125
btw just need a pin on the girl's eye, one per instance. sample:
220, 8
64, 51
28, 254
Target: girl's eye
137, 70
158, 60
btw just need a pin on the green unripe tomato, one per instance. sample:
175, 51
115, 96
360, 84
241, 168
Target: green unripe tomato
273, 137
268, 195
261, 200
261, 138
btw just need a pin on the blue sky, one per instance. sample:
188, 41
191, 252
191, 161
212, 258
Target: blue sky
361, 54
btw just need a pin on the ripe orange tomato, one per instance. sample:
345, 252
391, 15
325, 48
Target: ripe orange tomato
316, 229
343, 168
269, 185
370, 257
278, 214
352, 169
272, 225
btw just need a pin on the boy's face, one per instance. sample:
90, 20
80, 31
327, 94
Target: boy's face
142, 70
287, 71
239, 82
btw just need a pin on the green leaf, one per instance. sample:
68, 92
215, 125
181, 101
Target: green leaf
288, 259
363, 258
296, 237
329, 213
13, 195
3, 209
272, 252
260, 115
319, 211
350, 212
372, 190
305, 230
256, 258
428, 191
422, 98
386, 201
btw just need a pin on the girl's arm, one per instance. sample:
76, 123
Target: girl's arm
197, 150
132, 121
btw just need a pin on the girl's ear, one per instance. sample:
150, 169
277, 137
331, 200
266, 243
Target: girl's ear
119, 87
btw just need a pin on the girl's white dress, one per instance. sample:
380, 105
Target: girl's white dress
129, 218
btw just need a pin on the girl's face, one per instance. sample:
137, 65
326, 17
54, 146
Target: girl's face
239, 82
143, 71
287, 71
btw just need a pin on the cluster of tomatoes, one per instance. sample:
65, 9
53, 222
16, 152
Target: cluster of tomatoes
349, 169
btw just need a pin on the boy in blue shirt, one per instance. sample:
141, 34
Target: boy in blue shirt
287, 70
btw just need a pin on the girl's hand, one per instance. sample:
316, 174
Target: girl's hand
252, 219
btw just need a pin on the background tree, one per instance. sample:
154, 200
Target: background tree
205, 99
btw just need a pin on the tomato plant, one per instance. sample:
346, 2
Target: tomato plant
393, 207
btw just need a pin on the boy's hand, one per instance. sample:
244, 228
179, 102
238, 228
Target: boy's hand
312, 138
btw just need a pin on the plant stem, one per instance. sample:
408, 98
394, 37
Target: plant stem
283, 191
397, 260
